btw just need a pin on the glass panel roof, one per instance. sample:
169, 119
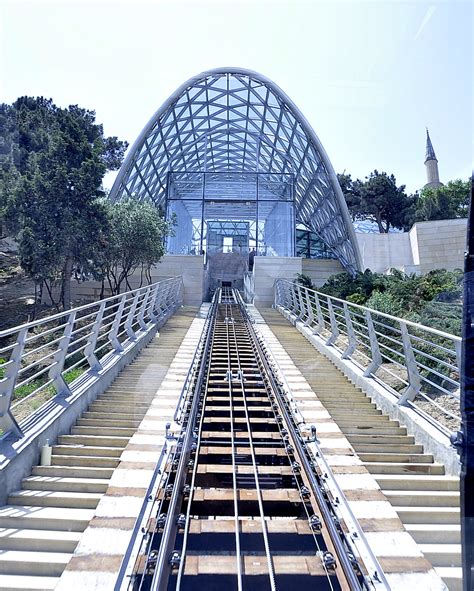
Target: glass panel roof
233, 120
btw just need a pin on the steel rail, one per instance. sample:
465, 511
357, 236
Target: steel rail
338, 539
271, 568
206, 361
163, 566
234, 464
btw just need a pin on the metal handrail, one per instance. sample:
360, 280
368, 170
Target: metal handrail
423, 372
46, 357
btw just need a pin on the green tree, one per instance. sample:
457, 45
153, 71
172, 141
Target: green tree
60, 158
379, 200
444, 203
135, 241
382, 202
351, 191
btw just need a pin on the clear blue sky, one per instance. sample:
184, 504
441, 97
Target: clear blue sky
369, 76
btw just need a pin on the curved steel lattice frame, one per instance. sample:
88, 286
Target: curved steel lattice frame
236, 120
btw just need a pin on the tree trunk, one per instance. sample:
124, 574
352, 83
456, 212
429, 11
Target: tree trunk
66, 287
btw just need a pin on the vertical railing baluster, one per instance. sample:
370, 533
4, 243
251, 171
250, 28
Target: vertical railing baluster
8, 423
114, 331
334, 328
89, 349
376, 357
319, 313
414, 378
131, 318
57, 367
352, 340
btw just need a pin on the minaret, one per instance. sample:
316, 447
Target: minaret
431, 164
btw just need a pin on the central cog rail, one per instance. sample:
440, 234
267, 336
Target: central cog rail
238, 502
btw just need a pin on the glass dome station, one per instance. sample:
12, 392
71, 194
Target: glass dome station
231, 157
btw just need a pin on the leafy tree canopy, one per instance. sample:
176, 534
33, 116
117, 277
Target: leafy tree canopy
54, 162
378, 199
135, 240
444, 203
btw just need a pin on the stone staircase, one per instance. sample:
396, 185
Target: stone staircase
43, 522
425, 498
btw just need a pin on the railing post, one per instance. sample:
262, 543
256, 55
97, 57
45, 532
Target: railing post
352, 340
130, 316
376, 360
57, 367
334, 328
143, 308
310, 309
414, 379
113, 334
92, 360
8, 423
151, 304
300, 302
319, 313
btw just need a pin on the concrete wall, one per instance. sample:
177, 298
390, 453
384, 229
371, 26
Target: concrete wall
441, 244
267, 269
321, 269
427, 246
384, 251
189, 266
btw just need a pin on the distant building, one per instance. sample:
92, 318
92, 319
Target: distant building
431, 163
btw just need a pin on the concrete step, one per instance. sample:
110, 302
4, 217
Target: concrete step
371, 430
452, 576
438, 533
53, 483
51, 564
421, 482
387, 448
36, 540
108, 422
396, 457
338, 413
45, 498
84, 461
87, 450
94, 440
116, 406
442, 554
73, 472
49, 518
27, 583
106, 431
404, 468
381, 439
423, 498
115, 416
428, 515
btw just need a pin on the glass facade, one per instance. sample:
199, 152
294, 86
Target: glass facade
231, 212
230, 146
310, 246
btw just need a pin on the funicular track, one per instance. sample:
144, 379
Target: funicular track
240, 503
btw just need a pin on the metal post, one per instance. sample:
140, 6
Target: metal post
466, 436
8, 423
152, 304
55, 373
92, 360
130, 318
334, 328
143, 309
352, 340
414, 379
300, 303
321, 324
376, 361
310, 309
113, 334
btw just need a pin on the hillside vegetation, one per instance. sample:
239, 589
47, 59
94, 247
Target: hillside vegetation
433, 299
